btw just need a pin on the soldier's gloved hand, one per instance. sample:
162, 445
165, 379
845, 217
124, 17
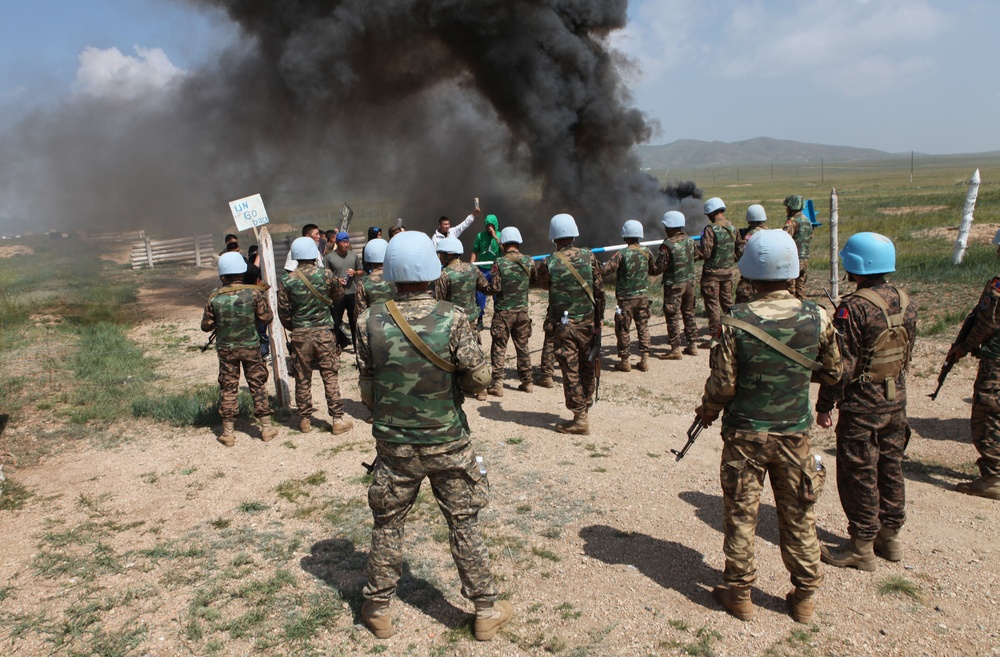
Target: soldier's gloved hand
824, 420
707, 417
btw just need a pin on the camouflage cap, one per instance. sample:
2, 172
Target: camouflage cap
794, 202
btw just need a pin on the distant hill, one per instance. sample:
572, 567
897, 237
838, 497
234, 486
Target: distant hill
692, 153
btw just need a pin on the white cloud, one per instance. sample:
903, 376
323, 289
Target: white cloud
110, 74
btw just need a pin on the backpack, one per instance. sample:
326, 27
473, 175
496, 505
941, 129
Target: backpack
890, 354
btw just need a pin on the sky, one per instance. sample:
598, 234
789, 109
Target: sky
896, 75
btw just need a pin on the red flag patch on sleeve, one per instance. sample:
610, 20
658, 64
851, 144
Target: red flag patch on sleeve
842, 313
996, 283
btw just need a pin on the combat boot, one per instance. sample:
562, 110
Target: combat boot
375, 615
267, 430
802, 605
481, 396
858, 554
341, 425
623, 365
705, 344
736, 599
525, 386
495, 390
490, 617
887, 544
305, 425
643, 365
673, 354
988, 487
691, 350
545, 381
228, 435
578, 425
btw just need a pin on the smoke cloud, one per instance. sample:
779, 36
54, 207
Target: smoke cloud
424, 102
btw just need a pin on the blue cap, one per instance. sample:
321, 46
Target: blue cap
341, 236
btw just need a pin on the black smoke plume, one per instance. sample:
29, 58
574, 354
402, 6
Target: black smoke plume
425, 102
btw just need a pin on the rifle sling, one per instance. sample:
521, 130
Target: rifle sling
586, 288
415, 339
773, 343
236, 287
312, 288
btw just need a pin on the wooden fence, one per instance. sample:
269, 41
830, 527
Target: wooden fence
117, 236
197, 251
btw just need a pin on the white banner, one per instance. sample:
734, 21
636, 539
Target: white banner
249, 212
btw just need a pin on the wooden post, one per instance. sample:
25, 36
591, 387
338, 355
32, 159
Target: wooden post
834, 245
149, 252
197, 251
279, 350
963, 229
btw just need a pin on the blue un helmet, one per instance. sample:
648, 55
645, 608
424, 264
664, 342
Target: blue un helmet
674, 219
867, 254
451, 245
410, 258
632, 229
510, 235
232, 263
770, 255
374, 251
563, 226
304, 248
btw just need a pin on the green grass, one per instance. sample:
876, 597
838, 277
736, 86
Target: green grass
252, 506
198, 407
112, 373
13, 495
896, 585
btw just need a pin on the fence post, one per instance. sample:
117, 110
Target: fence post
197, 251
149, 252
963, 229
834, 245
282, 390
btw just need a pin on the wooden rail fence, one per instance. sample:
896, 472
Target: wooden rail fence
197, 251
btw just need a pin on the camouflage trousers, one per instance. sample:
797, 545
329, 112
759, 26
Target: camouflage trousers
255, 371
678, 304
798, 286
573, 343
747, 458
744, 290
318, 346
548, 362
870, 471
986, 417
506, 325
717, 293
461, 492
632, 309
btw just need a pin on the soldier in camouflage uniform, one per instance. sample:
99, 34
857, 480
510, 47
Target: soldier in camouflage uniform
373, 288
801, 229
511, 275
872, 431
676, 263
233, 312
572, 276
755, 223
718, 250
764, 391
634, 265
413, 386
304, 299
984, 342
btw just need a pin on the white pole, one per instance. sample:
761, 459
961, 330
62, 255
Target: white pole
834, 245
963, 230
279, 351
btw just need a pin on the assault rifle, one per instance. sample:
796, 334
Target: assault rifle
949, 362
211, 339
692, 434
595, 347
370, 467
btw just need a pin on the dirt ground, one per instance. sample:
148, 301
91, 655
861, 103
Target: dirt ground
604, 543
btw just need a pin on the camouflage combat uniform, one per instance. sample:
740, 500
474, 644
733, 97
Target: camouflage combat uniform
718, 250
801, 230
765, 431
311, 338
421, 431
234, 311
984, 339
573, 338
458, 284
676, 262
871, 428
372, 289
744, 290
512, 274
634, 266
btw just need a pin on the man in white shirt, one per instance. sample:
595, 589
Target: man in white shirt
445, 229
309, 230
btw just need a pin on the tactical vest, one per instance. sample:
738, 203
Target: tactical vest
377, 289
888, 356
307, 310
633, 273
991, 348
681, 266
724, 255
565, 292
463, 277
515, 271
235, 320
803, 235
772, 391
416, 402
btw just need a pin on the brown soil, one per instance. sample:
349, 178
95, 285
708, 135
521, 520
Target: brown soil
977, 233
605, 544
912, 209
11, 251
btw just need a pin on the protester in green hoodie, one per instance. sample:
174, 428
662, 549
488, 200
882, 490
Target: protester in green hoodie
486, 248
